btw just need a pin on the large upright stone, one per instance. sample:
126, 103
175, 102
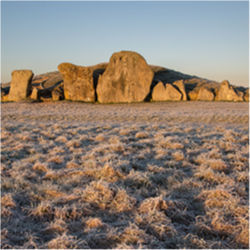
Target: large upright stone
78, 82
127, 78
227, 93
181, 86
20, 86
165, 93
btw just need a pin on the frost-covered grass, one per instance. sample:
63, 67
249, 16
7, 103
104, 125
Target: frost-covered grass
152, 175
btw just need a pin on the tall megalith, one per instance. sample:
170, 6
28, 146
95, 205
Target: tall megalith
126, 79
20, 86
78, 82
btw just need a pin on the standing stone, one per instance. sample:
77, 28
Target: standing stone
180, 85
20, 86
227, 93
165, 93
127, 78
78, 82
205, 94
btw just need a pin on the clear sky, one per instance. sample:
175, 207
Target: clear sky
207, 39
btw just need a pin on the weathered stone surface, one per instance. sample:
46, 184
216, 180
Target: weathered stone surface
20, 86
57, 94
37, 81
180, 85
159, 92
4, 98
47, 80
127, 78
246, 95
52, 81
165, 93
227, 93
78, 82
192, 95
205, 94
34, 95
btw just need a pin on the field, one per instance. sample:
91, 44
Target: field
148, 175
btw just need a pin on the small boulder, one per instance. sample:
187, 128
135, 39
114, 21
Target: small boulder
181, 87
193, 94
78, 82
205, 94
57, 94
127, 78
165, 93
35, 94
20, 86
227, 93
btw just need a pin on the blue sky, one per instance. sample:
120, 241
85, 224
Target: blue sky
208, 39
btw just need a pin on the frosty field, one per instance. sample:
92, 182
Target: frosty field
148, 175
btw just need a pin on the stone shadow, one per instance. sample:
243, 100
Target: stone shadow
96, 74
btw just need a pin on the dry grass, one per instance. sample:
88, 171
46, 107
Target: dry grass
151, 175
93, 223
